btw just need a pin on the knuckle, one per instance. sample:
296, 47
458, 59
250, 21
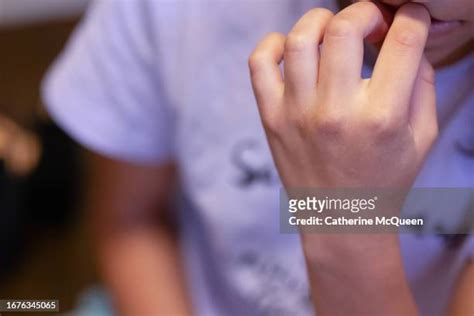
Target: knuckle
301, 124
409, 38
272, 123
320, 12
364, 7
256, 61
260, 56
274, 37
330, 124
367, 5
382, 126
298, 42
340, 26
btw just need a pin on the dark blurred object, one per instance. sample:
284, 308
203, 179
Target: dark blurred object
11, 215
52, 189
37, 198
42, 200
44, 246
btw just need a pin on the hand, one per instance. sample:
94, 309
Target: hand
328, 127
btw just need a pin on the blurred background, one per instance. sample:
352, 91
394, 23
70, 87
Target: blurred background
44, 247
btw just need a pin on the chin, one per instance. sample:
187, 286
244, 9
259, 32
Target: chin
446, 55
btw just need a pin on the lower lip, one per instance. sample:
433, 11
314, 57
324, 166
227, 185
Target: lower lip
443, 27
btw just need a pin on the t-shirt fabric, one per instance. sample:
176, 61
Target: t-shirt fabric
158, 80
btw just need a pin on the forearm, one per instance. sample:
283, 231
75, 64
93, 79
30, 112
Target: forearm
138, 256
143, 271
360, 275
463, 302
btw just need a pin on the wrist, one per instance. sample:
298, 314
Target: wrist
379, 253
367, 271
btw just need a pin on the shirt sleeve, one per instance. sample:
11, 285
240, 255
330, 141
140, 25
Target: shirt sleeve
105, 90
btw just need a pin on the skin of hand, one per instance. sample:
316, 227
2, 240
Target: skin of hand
327, 127
443, 48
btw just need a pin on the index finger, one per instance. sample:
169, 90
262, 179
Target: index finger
397, 66
343, 46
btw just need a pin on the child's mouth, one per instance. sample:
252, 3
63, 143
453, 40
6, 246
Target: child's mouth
439, 27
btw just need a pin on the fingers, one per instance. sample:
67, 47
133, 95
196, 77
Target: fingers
343, 48
302, 53
265, 72
423, 118
400, 57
